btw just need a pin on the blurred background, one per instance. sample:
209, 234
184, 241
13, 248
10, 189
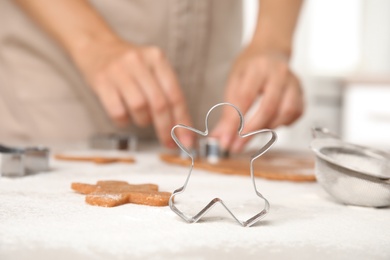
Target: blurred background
342, 55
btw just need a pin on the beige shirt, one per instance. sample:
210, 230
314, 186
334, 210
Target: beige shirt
44, 98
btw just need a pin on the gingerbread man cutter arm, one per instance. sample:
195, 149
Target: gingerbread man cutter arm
247, 223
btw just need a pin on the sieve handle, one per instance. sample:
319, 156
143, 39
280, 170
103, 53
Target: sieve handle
322, 132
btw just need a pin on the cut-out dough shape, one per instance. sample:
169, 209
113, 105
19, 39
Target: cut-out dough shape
115, 193
200, 214
278, 165
95, 158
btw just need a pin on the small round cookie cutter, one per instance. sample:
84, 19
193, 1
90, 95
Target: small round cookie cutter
192, 219
352, 174
207, 149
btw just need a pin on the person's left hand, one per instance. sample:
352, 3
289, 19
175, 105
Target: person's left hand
259, 73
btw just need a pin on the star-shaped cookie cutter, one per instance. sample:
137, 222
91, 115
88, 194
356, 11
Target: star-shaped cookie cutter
192, 219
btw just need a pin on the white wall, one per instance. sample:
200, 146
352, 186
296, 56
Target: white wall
375, 40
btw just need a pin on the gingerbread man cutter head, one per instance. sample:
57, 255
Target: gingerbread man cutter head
200, 214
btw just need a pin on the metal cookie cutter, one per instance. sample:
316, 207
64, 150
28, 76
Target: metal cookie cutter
210, 150
16, 162
114, 142
207, 149
200, 214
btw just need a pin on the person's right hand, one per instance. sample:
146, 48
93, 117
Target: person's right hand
136, 84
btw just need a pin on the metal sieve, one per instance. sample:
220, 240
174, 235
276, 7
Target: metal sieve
352, 174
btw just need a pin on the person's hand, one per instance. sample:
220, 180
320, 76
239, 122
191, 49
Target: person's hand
257, 73
136, 84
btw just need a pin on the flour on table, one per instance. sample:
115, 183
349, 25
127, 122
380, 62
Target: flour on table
41, 217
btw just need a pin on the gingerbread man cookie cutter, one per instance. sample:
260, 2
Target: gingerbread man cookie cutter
192, 219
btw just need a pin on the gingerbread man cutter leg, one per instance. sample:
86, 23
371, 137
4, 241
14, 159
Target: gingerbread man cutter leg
192, 219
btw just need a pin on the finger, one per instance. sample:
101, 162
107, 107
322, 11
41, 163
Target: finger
242, 91
227, 126
226, 129
131, 93
157, 101
170, 86
267, 110
269, 104
292, 105
113, 104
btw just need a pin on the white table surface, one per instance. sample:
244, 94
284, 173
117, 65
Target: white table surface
42, 218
